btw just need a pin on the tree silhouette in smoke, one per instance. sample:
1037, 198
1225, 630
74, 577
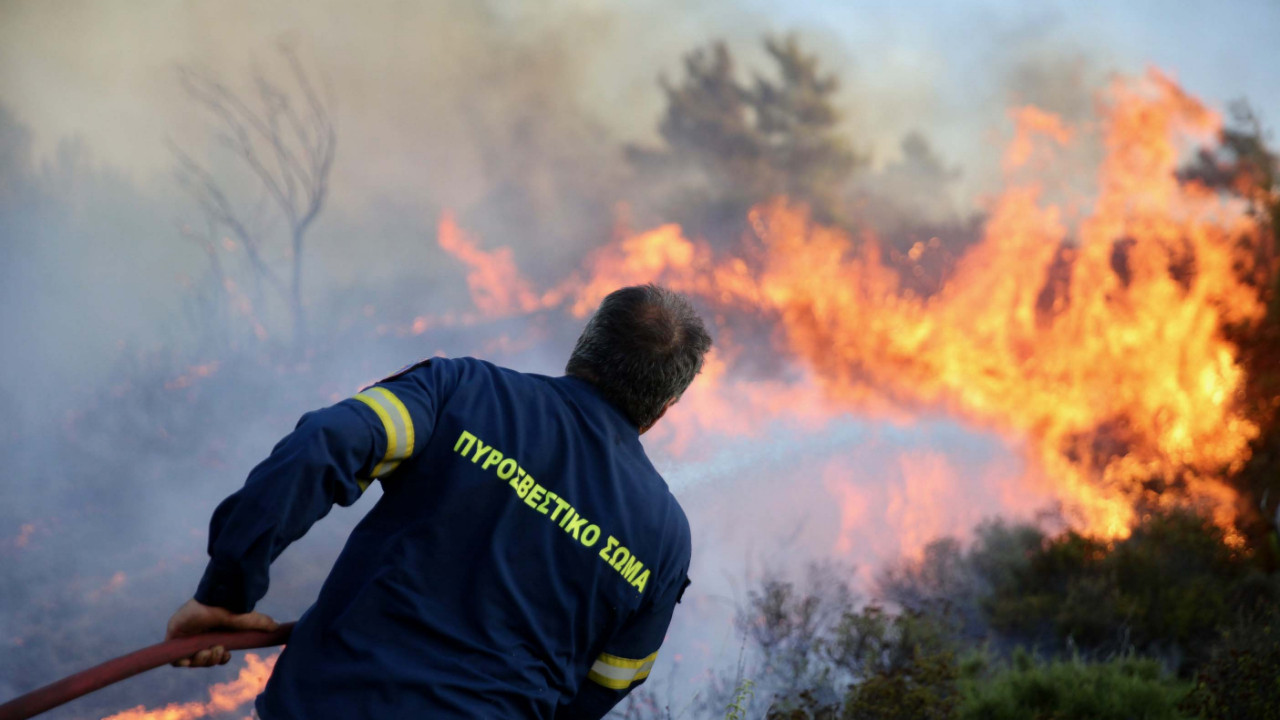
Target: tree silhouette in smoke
286, 139
731, 145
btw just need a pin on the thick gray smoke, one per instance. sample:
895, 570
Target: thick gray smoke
125, 414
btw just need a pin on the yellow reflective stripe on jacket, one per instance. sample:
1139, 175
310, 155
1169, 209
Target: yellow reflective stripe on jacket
617, 673
397, 424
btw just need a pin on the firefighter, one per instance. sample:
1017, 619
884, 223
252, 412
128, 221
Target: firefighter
525, 557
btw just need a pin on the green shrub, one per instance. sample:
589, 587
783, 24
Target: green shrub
1241, 679
1122, 689
1167, 589
924, 688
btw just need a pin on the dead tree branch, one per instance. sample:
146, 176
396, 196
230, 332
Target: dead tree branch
285, 137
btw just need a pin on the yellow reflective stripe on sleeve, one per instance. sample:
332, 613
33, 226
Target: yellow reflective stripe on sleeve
387, 425
617, 673
403, 412
397, 424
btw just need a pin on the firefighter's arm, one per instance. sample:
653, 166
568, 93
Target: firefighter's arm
626, 662
330, 457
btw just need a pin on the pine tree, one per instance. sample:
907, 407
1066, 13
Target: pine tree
729, 146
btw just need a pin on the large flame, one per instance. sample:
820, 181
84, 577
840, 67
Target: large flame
1105, 350
1094, 337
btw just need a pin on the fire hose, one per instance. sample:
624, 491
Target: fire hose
126, 666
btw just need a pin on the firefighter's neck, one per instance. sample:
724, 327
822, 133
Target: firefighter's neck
670, 402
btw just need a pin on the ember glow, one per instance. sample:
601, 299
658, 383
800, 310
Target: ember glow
1093, 338
193, 373
224, 698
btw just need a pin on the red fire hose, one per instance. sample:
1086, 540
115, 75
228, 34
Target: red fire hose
126, 666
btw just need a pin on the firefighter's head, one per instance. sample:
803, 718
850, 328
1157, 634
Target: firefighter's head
641, 349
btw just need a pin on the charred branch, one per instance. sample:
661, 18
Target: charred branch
286, 139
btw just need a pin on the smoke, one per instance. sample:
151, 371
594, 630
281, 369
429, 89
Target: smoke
513, 116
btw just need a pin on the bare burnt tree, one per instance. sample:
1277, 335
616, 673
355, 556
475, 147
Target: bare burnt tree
284, 136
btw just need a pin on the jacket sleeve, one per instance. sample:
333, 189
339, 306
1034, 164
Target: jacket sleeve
330, 457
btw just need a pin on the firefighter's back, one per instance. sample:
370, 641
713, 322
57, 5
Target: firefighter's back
501, 558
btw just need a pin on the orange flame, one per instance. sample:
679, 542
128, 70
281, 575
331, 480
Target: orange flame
1116, 375
223, 697
1032, 122
496, 285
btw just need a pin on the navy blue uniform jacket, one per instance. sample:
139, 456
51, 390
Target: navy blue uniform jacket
523, 562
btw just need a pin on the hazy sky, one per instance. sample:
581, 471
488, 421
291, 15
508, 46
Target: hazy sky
104, 70
962, 51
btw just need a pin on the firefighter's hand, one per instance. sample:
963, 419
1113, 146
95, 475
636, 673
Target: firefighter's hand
194, 618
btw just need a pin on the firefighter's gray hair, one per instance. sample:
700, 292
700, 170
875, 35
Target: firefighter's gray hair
641, 348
